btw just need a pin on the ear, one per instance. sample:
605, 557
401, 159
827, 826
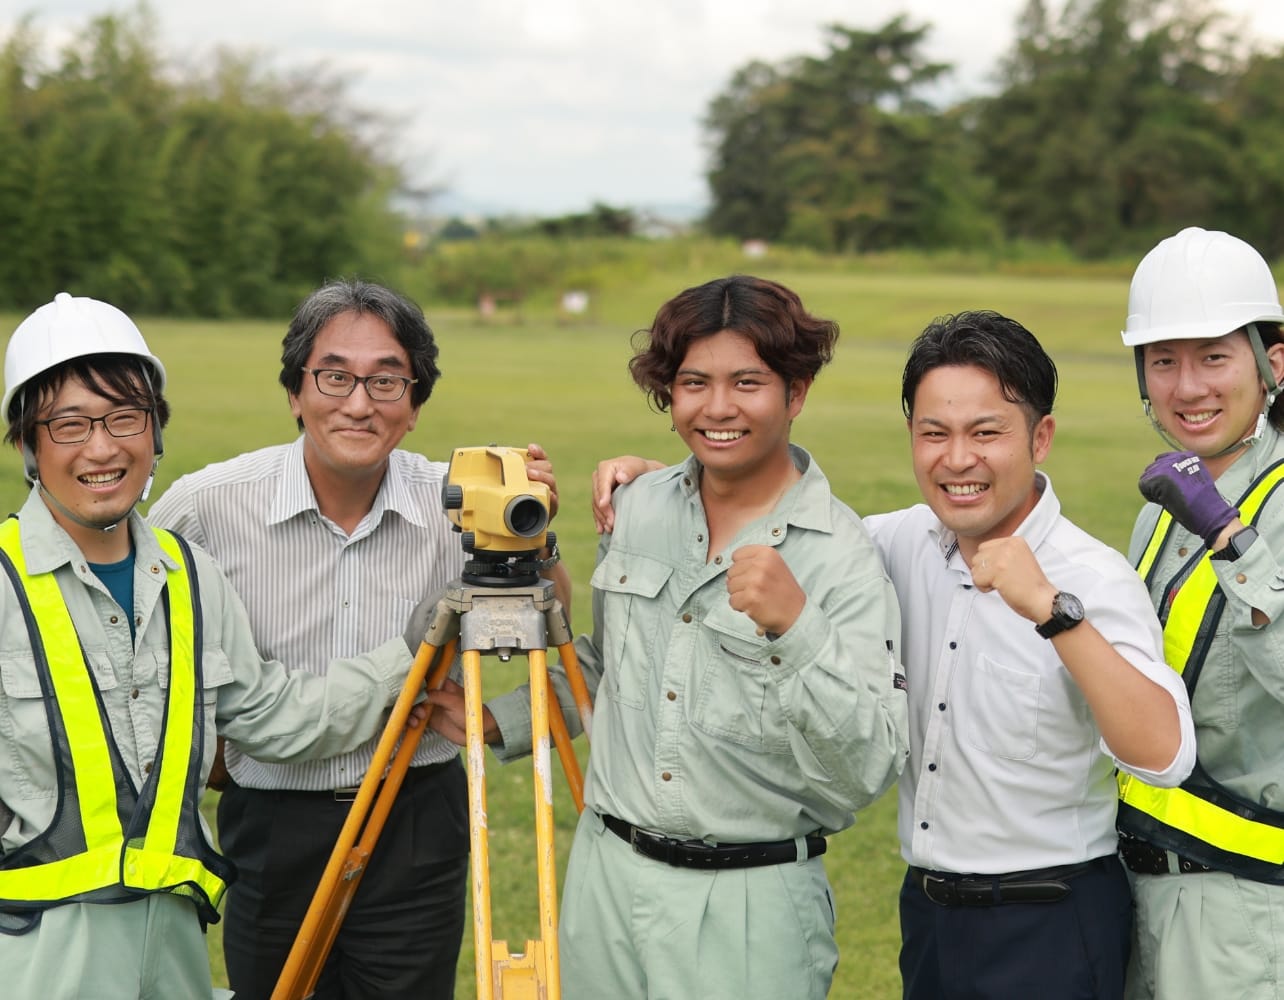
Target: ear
797, 395
414, 418
1275, 355
1041, 439
296, 410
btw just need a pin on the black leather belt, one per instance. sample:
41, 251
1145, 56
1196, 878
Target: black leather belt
698, 854
1039, 885
1145, 858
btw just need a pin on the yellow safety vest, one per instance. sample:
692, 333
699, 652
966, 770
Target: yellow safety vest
108, 841
1202, 819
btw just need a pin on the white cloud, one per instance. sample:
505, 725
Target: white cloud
548, 105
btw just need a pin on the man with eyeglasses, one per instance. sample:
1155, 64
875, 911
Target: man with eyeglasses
332, 541
125, 651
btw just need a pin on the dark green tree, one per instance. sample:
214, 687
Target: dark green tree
841, 152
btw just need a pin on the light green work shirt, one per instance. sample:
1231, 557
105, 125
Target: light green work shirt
257, 704
1236, 706
704, 729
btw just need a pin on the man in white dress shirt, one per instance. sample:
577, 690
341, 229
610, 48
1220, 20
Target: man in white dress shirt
1035, 668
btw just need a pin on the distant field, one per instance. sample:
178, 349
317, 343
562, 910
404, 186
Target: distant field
566, 386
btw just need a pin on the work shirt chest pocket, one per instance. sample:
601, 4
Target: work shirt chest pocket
24, 725
736, 696
631, 615
1001, 715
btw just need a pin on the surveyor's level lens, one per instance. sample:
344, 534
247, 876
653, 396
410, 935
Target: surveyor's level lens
525, 516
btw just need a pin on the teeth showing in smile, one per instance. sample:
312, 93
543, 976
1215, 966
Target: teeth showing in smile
1199, 418
100, 478
965, 489
724, 435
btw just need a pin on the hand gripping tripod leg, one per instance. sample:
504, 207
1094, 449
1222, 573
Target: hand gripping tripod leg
478, 620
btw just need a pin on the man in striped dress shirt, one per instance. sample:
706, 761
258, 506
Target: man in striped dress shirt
334, 542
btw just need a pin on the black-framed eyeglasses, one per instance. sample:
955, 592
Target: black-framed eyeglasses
76, 430
381, 388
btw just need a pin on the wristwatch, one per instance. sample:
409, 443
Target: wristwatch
1237, 544
1067, 612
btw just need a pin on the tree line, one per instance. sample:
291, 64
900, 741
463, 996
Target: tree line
215, 190
1114, 123
222, 188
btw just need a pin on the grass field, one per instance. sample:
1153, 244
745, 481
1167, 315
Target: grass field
566, 386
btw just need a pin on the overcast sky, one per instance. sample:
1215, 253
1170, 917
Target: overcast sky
549, 105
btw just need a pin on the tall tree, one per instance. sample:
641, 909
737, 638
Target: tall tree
839, 152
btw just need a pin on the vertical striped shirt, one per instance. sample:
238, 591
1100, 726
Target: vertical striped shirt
312, 591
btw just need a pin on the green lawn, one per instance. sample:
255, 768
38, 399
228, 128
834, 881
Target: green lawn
567, 387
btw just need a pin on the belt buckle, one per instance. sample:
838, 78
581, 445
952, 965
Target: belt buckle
931, 882
348, 794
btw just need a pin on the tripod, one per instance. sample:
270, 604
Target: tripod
478, 614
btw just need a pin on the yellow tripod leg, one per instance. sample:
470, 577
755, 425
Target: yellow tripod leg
478, 833
348, 859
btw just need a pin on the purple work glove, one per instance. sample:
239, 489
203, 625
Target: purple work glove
1179, 483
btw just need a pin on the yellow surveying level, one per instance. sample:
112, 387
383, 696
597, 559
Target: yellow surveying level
494, 609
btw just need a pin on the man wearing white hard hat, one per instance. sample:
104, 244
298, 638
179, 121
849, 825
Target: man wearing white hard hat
124, 653
1208, 858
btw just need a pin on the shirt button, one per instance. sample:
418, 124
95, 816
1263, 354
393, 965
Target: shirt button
155, 569
667, 776
138, 620
931, 767
113, 619
672, 696
699, 538
624, 579
1241, 578
147, 768
941, 706
775, 661
924, 825
686, 619
1182, 551
954, 645
134, 693
775, 532
717, 560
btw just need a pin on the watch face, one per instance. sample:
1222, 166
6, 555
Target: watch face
1069, 606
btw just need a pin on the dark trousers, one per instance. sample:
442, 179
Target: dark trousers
1075, 948
401, 936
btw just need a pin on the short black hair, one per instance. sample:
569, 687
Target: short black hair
992, 342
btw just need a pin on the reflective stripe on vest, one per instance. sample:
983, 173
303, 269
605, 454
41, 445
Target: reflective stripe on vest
1202, 819
152, 861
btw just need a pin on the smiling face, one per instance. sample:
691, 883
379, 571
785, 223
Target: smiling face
1207, 394
733, 411
974, 453
348, 438
99, 480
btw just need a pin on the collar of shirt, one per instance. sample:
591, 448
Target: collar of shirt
805, 504
295, 495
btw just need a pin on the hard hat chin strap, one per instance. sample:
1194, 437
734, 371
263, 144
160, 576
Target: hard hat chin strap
85, 522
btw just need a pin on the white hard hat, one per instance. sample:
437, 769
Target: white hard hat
69, 328
1199, 285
